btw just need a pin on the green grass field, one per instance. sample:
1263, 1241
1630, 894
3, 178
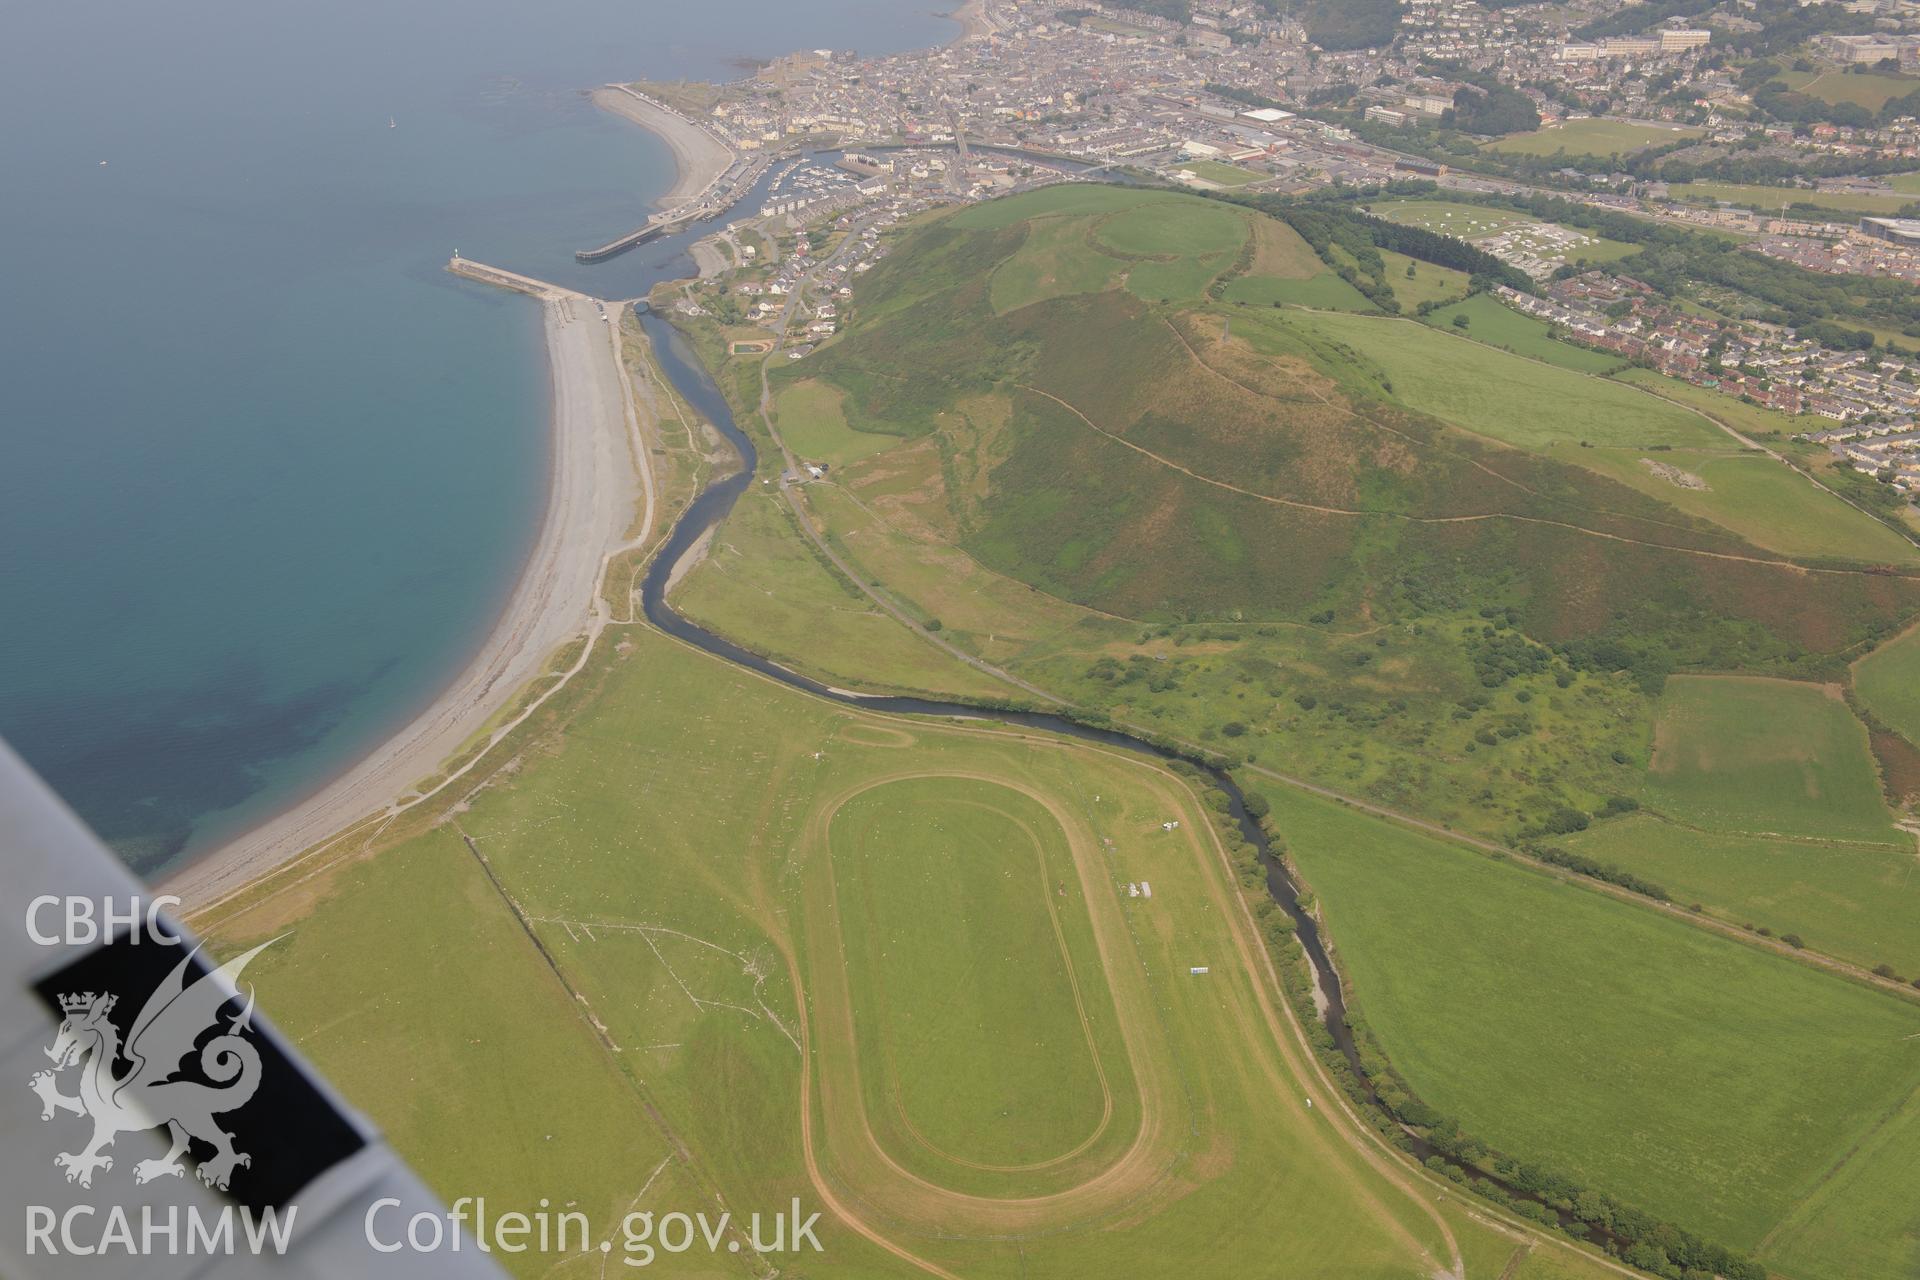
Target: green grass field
1496, 324
1428, 283
1774, 198
1860, 902
1861, 1220
1174, 229
812, 422
1698, 1078
1888, 681
1774, 507
1326, 292
1182, 280
1057, 259
1765, 757
1177, 249
1869, 89
1592, 137
1763, 501
454, 1003
760, 579
1164, 251
990, 1034
1499, 395
1074, 198
1778, 511
1221, 175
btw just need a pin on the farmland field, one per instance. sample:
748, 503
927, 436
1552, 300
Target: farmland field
1493, 322
1428, 283
1690, 1075
1868, 89
1592, 137
1765, 757
1764, 502
453, 994
1888, 680
1498, 395
1857, 901
1324, 292
1861, 1220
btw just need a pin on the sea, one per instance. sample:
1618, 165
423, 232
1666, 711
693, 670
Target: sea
267, 472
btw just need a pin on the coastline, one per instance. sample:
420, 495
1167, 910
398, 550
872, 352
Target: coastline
973, 19
592, 499
597, 475
699, 158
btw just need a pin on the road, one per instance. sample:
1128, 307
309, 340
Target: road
790, 490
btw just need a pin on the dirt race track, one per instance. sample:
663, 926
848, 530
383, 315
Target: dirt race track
1165, 1132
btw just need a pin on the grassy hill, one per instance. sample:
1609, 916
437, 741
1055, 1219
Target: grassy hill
1269, 463
1384, 551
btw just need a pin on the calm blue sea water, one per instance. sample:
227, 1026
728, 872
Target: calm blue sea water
266, 472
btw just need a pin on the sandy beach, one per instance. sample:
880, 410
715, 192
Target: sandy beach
698, 156
974, 19
596, 483
593, 495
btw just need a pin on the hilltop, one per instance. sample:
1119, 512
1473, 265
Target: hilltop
1271, 462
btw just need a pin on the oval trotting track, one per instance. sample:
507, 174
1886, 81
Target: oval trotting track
904, 1200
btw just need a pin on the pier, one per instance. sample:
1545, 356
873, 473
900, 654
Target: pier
655, 227
504, 279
